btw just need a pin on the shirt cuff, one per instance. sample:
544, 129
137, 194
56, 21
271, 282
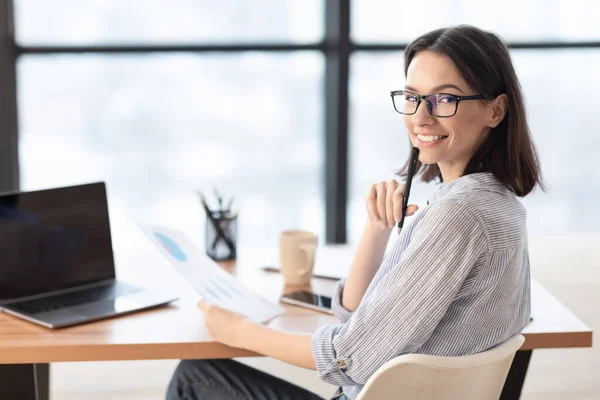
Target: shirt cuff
330, 367
338, 309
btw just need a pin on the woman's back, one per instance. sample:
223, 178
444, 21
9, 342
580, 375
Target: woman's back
493, 302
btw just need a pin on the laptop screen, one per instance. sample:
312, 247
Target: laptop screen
54, 239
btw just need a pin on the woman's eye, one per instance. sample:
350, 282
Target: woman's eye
410, 98
446, 99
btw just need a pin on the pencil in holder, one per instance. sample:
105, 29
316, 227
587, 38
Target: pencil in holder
221, 235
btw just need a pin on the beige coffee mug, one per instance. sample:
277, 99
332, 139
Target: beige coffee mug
297, 256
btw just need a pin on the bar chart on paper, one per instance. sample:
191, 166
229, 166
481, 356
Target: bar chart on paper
217, 288
211, 282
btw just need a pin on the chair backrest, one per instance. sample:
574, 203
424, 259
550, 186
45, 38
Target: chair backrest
418, 376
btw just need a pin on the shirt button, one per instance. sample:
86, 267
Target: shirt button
341, 363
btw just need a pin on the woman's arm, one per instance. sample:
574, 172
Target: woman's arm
367, 260
292, 348
235, 330
384, 207
404, 309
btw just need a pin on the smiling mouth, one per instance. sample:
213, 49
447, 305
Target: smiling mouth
430, 138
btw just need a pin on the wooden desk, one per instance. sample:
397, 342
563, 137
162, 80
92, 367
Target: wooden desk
177, 332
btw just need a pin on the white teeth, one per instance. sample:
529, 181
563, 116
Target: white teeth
429, 138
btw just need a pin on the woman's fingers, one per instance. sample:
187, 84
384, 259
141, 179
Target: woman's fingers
372, 203
411, 209
384, 203
389, 202
381, 206
398, 193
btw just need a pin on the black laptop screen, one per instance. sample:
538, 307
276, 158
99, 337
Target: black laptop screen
54, 239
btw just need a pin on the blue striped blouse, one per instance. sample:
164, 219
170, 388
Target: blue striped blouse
455, 282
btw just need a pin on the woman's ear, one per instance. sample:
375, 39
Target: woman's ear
498, 109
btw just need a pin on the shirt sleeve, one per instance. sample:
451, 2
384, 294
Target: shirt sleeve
403, 309
339, 311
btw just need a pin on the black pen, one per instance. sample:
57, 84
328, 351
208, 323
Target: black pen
215, 224
219, 200
412, 166
228, 208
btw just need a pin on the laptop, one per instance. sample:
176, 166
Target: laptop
56, 260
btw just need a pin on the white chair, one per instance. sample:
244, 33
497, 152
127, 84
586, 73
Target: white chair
423, 377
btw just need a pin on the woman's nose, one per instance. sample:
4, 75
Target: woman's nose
422, 116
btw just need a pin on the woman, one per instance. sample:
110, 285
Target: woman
456, 281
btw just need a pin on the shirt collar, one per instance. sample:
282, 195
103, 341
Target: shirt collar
479, 181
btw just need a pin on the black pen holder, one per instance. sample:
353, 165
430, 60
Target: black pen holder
221, 236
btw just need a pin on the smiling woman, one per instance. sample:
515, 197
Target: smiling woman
456, 279
469, 137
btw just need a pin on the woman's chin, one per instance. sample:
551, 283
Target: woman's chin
427, 159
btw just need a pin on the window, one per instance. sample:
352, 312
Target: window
91, 22
158, 127
561, 101
181, 102
384, 21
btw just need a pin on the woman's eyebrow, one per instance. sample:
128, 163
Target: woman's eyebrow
437, 88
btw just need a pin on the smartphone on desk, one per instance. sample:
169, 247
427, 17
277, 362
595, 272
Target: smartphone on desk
303, 298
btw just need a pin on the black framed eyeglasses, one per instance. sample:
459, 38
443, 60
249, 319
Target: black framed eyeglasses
442, 105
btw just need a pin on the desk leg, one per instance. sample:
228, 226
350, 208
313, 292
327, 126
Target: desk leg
516, 376
25, 381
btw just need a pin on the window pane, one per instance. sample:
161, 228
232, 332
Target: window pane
76, 22
561, 102
157, 128
515, 20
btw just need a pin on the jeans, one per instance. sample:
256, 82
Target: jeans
230, 380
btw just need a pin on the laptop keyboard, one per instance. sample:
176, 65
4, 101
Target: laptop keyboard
71, 299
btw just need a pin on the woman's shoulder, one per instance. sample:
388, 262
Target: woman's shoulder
448, 218
497, 215
481, 193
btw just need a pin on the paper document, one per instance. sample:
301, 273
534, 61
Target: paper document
212, 283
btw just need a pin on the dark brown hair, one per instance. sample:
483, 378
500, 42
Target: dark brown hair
483, 60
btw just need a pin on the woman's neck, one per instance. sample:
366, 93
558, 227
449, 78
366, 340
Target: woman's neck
451, 171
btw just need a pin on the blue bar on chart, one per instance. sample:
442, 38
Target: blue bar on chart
215, 284
209, 290
230, 287
202, 293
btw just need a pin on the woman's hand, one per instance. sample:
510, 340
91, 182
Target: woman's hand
223, 325
384, 203
236, 330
